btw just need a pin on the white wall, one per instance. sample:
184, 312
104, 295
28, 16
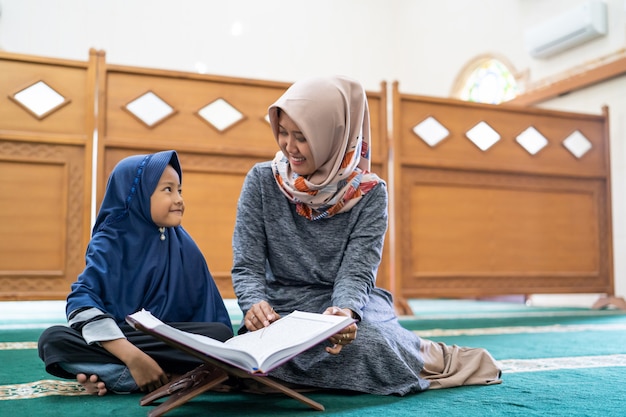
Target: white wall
280, 39
420, 43
423, 44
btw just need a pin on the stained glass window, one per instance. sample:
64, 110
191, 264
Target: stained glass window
489, 81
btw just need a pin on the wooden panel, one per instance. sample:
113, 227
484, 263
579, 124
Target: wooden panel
499, 221
42, 210
187, 94
46, 154
44, 235
457, 151
530, 234
69, 79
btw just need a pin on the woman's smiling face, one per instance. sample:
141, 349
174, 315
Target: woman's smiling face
295, 146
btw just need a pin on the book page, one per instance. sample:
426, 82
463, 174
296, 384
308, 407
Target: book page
291, 330
146, 319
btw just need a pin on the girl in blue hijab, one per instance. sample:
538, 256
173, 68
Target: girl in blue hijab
139, 257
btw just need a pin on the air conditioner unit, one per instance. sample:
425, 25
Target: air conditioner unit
567, 30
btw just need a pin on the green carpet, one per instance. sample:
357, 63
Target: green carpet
556, 361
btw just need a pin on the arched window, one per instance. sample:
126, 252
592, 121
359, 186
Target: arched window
486, 79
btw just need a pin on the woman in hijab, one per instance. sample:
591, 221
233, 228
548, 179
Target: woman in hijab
309, 236
139, 257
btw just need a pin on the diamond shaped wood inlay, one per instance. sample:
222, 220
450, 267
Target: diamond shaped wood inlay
40, 99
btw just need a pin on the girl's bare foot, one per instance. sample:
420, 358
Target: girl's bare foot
92, 384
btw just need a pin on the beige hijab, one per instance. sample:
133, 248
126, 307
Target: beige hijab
333, 115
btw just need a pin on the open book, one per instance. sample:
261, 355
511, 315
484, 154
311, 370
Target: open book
255, 352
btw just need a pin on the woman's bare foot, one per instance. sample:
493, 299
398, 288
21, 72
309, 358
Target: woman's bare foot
92, 384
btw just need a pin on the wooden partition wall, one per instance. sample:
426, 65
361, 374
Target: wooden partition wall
46, 128
516, 213
219, 127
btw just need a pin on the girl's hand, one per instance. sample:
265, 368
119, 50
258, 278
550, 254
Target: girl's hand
145, 371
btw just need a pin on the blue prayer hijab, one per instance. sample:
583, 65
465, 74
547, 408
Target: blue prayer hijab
128, 266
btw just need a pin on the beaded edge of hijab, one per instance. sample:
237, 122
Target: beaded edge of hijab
133, 191
131, 194
135, 185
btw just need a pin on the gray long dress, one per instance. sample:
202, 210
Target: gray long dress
298, 264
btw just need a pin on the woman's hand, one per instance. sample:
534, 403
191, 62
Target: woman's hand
345, 336
259, 316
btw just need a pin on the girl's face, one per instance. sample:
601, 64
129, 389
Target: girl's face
166, 203
295, 146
